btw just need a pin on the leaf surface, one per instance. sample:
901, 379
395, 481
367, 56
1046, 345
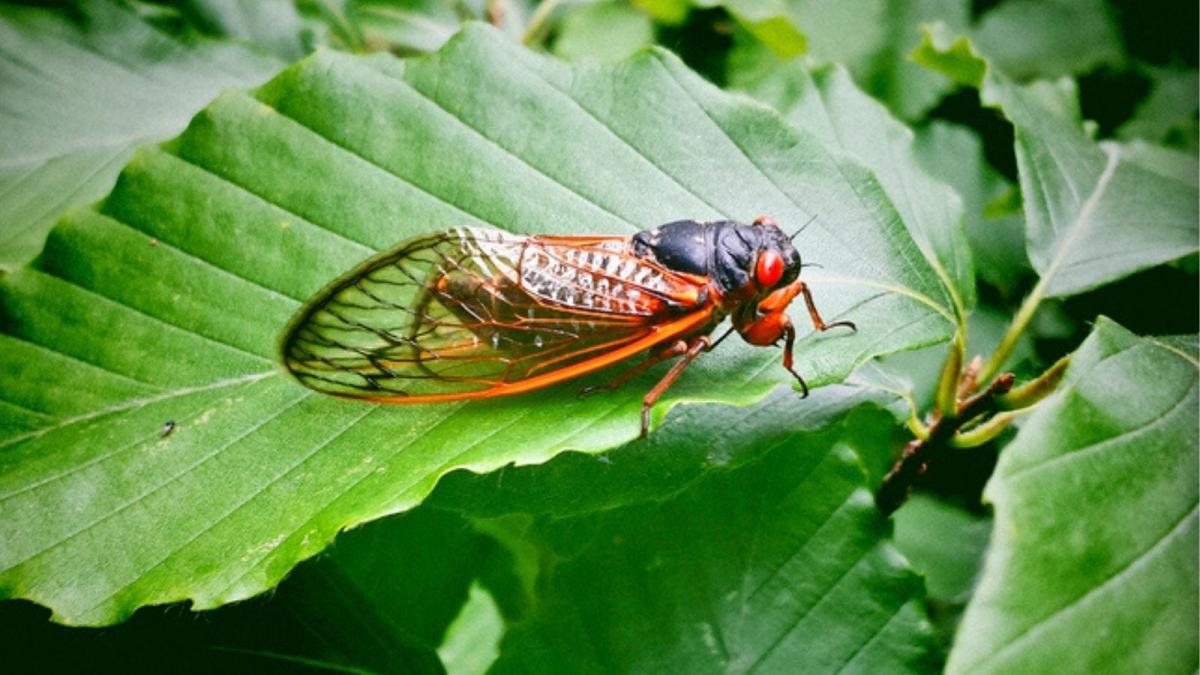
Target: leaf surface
165, 305
1092, 564
871, 39
1168, 113
63, 136
954, 154
273, 25
774, 560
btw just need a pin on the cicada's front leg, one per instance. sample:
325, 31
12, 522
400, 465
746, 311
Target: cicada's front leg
770, 324
767, 330
817, 321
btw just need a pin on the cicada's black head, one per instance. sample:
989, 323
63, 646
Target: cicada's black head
738, 257
757, 256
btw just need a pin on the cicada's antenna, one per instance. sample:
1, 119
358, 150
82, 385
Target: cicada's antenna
802, 228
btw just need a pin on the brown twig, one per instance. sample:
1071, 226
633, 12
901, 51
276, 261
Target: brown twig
915, 459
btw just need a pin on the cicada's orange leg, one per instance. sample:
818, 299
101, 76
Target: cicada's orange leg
789, 341
678, 348
817, 321
698, 344
772, 324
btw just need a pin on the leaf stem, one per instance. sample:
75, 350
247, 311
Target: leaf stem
962, 419
535, 31
1035, 390
897, 484
1020, 322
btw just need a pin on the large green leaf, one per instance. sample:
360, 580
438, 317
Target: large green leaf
379, 601
81, 89
774, 559
1093, 562
1080, 197
695, 439
166, 303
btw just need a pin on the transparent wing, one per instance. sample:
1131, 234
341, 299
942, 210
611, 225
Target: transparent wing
470, 313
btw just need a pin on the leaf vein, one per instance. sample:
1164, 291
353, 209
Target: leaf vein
135, 403
238, 507
1087, 451
823, 597
246, 189
1033, 630
104, 456
208, 265
591, 201
128, 503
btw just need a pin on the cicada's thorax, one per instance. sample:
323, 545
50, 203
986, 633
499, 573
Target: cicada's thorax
723, 251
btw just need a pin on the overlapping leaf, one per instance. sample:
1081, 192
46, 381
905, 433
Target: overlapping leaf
772, 558
81, 89
1093, 563
954, 154
165, 303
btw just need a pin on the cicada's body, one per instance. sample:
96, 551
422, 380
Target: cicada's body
476, 313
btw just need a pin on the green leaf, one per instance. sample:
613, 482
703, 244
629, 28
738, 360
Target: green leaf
841, 32
472, 641
781, 563
378, 601
273, 25
669, 12
770, 21
1168, 113
1080, 196
871, 39
692, 441
945, 544
1049, 38
1093, 554
165, 305
954, 154
411, 26
1173, 165
603, 31
906, 88
761, 547
824, 101
64, 136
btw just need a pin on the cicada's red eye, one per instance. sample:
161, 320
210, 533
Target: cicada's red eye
769, 269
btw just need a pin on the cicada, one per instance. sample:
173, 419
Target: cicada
471, 313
